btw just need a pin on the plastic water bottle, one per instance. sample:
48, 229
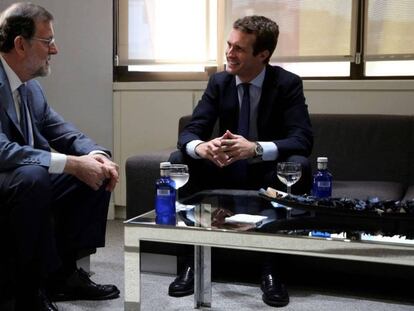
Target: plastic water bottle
322, 180
165, 197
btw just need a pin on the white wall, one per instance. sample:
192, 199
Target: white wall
360, 97
80, 86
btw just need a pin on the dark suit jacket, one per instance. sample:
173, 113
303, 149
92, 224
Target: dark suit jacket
282, 116
49, 130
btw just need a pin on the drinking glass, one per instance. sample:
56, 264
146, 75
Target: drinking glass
179, 173
289, 173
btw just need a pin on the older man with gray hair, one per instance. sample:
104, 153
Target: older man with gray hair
55, 182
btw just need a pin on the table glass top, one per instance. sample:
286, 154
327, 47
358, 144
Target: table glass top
246, 211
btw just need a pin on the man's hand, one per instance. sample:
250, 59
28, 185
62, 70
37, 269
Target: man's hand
236, 147
226, 149
112, 168
93, 170
211, 150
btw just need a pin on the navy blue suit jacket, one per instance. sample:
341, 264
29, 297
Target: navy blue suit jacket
49, 130
282, 116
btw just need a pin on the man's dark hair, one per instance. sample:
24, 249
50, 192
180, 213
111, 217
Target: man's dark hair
20, 19
266, 31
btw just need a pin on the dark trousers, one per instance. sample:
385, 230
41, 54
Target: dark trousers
48, 219
205, 175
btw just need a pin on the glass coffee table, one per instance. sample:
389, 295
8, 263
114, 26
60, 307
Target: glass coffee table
217, 219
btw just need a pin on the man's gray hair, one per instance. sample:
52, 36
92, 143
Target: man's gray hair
20, 19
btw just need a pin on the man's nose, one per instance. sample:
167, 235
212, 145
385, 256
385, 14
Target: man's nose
229, 51
53, 49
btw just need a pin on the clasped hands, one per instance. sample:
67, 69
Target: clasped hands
226, 149
93, 170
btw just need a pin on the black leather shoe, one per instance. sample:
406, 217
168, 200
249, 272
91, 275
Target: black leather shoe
80, 287
183, 284
274, 292
44, 302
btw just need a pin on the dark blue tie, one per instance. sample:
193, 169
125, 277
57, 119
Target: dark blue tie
24, 125
239, 168
244, 115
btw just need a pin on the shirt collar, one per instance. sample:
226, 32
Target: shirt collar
14, 80
258, 81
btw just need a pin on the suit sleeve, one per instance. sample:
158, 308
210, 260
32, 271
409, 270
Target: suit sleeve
61, 135
298, 136
204, 117
49, 130
13, 155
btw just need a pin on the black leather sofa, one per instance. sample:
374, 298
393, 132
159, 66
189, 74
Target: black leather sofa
369, 156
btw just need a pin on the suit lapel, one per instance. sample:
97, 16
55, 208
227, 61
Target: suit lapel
231, 103
267, 99
6, 99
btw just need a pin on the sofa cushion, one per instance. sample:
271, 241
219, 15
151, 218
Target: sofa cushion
367, 189
364, 147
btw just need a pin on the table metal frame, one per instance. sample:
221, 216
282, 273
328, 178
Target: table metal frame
203, 238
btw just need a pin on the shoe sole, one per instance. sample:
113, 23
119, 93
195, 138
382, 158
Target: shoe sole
67, 297
181, 294
274, 303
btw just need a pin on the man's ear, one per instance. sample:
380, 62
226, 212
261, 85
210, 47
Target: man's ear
20, 45
264, 55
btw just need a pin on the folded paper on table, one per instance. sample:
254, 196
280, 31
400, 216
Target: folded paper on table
246, 219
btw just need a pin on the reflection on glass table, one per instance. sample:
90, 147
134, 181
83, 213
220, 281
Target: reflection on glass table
213, 209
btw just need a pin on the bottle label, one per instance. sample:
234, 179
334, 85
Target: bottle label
163, 192
324, 184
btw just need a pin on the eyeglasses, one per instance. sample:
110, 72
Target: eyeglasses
49, 41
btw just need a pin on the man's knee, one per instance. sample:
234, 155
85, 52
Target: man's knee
177, 157
28, 193
304, 162
305, 182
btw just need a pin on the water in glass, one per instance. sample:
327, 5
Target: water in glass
289, 173
179, 173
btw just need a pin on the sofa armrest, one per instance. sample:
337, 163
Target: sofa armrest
141, 173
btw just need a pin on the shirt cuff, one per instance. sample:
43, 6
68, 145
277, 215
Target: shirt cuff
57, 163
190, 148
270, 151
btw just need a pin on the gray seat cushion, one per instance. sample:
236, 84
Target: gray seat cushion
367, 189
